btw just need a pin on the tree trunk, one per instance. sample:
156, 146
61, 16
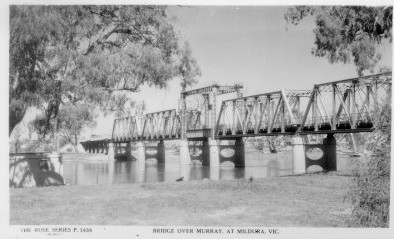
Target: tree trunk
17, 111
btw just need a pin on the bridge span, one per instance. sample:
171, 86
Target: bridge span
208, 115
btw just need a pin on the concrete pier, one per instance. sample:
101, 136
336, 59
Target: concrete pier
184, 153
140, 171
205, 153
111, 170
111, 151
161, 152
214, 160
299, 166
129, 155
140, 153
214, 172
239, 160
330, 144
184, 161
184, 172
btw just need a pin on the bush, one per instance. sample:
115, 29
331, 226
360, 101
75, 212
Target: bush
370, 190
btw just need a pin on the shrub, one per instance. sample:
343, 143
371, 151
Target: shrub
370, 190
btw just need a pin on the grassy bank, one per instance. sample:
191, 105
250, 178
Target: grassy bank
308, 200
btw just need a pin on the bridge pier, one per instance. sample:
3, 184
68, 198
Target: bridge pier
140, 169
111, 151
184, 170
299, 166
214, 160
184, 152
161, 152
239, 160
140, 153
205, 153
214, 172
330, 144
129, 154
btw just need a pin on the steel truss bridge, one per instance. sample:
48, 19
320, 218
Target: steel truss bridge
345, 106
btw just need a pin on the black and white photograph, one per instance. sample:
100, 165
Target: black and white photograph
178, 119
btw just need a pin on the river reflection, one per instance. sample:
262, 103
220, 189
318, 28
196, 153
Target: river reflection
257, 165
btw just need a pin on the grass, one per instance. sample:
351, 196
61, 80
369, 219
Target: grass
308, 200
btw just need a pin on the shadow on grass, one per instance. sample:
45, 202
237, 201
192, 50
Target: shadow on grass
31, 172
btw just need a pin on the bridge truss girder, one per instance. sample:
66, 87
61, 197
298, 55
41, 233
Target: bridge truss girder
158, 125
262, 113
346, 104
161, 125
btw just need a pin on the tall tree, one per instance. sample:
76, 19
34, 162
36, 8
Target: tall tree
188, 67
347, 33
93, 54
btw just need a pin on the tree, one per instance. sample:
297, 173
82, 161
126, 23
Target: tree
188, 67
347, 33
72, 120
354, 33
89, 54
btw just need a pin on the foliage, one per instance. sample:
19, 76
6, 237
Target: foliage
275, 143
90, 54
70, 123
370, 191
72, 119
123, 106
347, 33
188, 67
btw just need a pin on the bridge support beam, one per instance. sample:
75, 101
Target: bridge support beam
111, 151
299, 166
184, 152
214, 160
331, 152
239, 160
161, 152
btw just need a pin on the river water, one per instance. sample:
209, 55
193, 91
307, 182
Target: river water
91, 169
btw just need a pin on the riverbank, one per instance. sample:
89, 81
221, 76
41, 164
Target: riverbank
310, 200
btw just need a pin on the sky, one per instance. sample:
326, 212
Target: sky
250, 45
